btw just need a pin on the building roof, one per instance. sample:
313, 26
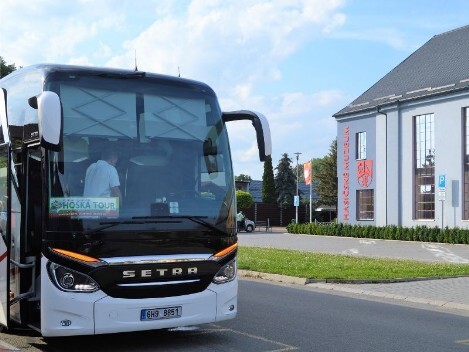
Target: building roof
440, 66
255, 188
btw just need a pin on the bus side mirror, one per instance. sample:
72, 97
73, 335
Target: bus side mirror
261, 125
49, 112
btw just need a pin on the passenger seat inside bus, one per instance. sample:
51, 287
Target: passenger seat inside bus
141, 189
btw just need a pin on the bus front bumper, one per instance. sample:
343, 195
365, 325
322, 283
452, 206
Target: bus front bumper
69, 314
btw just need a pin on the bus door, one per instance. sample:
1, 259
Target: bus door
25, 184
4, 239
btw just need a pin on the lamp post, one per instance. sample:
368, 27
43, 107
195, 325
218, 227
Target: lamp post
297, 169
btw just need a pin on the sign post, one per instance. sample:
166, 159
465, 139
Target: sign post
442, 194
297, 198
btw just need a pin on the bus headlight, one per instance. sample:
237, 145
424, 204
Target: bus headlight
70, 280
226, 274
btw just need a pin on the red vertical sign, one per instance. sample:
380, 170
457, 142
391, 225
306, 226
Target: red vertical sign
307, 172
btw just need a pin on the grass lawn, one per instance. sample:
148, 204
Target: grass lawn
331, 266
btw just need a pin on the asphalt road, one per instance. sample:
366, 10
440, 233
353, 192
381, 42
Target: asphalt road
422, 251
279, 318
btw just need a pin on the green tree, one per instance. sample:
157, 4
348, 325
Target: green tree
285, 182
244, 200
6, 69
327, 177
316, 167
268, 182
301, 174
243, 177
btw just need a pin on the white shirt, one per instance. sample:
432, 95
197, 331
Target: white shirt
100, 178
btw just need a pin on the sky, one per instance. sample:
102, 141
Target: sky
296, 61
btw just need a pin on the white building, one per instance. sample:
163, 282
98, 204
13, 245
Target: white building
403, 145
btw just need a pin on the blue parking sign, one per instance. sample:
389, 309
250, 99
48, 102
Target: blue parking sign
442, 181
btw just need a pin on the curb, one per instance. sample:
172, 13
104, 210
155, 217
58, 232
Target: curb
379, 281
272, 277
302, 281
334, 285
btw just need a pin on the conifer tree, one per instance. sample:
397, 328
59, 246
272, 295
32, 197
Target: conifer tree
268, 182
285, 182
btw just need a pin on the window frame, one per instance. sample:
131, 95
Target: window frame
361, 195
465, 162
424, 176
360, 142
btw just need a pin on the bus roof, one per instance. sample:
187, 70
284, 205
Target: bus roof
48, 68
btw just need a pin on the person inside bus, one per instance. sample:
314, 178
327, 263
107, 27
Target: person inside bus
102, 179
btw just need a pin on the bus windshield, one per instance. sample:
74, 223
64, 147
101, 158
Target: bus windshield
138, 148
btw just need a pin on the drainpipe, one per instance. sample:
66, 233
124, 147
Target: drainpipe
386, 153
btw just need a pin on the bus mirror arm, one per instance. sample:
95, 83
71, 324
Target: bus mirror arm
261, 125
49, 119
3, 114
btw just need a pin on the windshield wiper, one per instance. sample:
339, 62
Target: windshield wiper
108, 224
199, 219
149, 220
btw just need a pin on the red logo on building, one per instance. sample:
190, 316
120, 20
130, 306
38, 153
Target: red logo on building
364, 172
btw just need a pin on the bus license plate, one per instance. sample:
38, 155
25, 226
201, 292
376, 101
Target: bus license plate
161, 313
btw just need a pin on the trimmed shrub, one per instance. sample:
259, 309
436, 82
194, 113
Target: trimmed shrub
391, 232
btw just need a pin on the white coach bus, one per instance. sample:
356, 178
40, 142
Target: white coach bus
162, 253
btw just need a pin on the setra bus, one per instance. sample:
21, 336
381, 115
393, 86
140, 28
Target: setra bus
162, 252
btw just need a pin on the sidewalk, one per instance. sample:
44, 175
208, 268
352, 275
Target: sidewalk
452, 293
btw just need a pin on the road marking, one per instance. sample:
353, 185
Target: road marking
283, 346
444, 253
367, 242
351, 251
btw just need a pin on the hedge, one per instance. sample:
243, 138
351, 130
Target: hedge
419, 233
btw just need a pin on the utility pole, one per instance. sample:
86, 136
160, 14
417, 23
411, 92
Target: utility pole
297, 197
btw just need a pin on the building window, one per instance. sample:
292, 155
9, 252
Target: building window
466, 163
424, 151
365, 204
361, 145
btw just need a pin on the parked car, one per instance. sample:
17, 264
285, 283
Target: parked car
249, 226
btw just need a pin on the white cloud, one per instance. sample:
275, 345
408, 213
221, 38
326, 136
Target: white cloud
80, 60
298, 122
241, 42
249, 154
56, 31
237, 47
392, 37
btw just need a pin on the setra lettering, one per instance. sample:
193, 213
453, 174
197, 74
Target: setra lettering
149, 273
